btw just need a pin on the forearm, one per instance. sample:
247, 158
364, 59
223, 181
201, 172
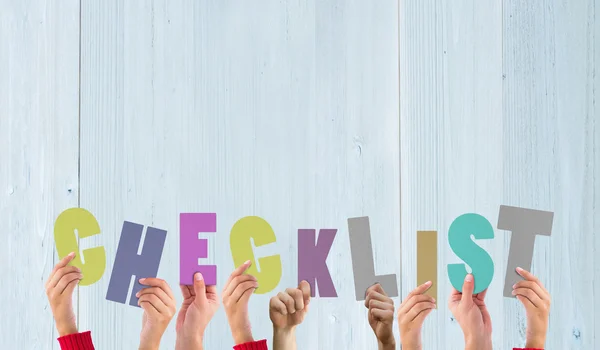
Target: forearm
284, 339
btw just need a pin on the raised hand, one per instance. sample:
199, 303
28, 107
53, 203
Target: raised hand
59, 289
287, 310
472, 315
236, 294
536, 300
381, 316
159, 307
200, 302
411, 315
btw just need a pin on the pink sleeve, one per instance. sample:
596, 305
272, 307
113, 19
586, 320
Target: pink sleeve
253, 345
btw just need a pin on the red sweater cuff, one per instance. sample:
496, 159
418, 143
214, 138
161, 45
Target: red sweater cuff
253, 345
76, 341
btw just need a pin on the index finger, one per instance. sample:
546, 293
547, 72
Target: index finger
528, 276
160, 283
62, 263
377, 288
185, 291
305, 288
238, 272
420, 289
481, 295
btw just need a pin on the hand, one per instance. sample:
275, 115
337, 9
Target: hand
381, 316
411, 315
536, 299
158, 303
59, 289
199, 306
236, 294
472, 315
287, 310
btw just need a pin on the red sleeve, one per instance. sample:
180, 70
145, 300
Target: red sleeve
76, 341
253, 345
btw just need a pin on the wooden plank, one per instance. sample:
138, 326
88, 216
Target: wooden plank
285, 110
550, 132
451, 141
39, 50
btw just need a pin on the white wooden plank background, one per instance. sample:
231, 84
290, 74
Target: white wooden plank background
293, 111
451, 141
39, 55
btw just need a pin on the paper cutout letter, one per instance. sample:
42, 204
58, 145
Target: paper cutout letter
243, 232
312, 260
459, 238
191, 248
128, 263
363, 265
427, 260
525, 224
86, 225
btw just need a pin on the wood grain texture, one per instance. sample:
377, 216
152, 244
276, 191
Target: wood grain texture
305, 113
39, 55
451, 141
550, 144
285, 110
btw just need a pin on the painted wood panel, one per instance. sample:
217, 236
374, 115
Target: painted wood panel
39, 55
501, 110
451, 141
550, 143
306, 114
285, 110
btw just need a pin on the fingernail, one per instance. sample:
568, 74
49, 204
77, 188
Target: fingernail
247, 262
198, 276
514, 286
469, 278
71, 254
427, 283
519, 269
137, 295
433, 300
514, 292
142, 280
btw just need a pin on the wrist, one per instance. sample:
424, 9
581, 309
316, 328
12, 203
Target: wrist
284, 330
410, 346
183, 343
242, 337
536, 343
148, 347
66, 330
478, 343
389, 345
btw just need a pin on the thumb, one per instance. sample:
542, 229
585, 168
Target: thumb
467, 289
199, 289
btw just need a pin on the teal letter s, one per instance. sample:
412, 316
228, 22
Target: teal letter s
459, 238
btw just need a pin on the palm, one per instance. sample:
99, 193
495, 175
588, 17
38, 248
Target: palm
475, 314
478, 300
190, 313
185, 307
